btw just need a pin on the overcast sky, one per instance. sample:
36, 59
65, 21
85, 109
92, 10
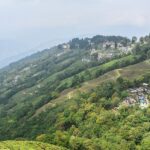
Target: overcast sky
27, 25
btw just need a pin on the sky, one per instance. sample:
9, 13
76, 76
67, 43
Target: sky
27, 26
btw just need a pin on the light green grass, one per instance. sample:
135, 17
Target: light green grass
27, 145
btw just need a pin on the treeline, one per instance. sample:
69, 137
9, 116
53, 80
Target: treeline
88, 43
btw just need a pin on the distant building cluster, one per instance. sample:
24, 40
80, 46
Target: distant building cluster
138, 96
98, 52
108, 44
107, 50
66, 46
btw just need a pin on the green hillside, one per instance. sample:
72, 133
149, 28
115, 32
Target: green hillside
72, 96
27, 145
131, 72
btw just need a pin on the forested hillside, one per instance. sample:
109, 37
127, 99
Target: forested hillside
79, 95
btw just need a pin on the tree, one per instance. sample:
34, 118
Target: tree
41, 138
148, 54
134, 39
88, 74
116, 45
146, 38
106, 90
76, 143
142, 40
77, 80
124, 42
145, 145
62, 138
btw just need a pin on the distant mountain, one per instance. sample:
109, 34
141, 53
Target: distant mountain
12, 51
11, 59
9, 51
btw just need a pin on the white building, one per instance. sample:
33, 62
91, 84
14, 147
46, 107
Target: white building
65, 46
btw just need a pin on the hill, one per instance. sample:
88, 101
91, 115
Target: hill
131, 72
72, 94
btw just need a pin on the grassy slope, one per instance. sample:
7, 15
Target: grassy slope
27, 145
131, 72
30, 95
51, 78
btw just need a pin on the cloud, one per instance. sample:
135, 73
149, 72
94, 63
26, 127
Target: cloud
32, 22
25, 14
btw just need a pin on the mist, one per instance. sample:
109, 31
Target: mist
28, 26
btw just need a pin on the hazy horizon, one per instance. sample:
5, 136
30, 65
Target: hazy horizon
31, 25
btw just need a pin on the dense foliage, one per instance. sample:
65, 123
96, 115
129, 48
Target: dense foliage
90, 121
88, 43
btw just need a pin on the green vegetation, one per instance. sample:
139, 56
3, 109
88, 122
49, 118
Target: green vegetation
90, 120
54, 97
126, 72
27, 145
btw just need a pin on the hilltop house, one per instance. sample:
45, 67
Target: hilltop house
93, 51
99, 56
86, 60
104, 56
66, 46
